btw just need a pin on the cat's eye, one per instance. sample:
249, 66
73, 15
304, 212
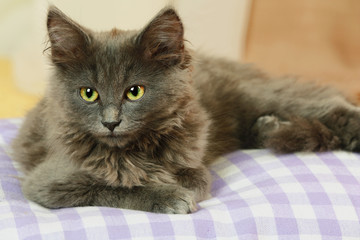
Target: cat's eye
89, 94
135, 93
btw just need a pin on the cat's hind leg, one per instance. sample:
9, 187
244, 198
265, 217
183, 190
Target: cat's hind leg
345, 123
297, 134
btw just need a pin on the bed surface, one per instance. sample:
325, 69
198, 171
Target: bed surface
255, 195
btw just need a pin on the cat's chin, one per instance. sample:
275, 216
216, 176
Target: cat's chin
112, 140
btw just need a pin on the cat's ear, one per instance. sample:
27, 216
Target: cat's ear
69, 41
162, 39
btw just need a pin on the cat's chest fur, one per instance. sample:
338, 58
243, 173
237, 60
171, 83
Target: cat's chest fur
153, 157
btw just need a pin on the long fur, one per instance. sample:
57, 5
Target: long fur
194, 109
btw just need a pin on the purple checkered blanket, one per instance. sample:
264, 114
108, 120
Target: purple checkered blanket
255, 195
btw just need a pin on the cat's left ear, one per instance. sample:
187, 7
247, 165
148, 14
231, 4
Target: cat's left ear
69, 41
162, 39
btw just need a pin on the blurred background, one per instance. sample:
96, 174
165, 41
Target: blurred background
315, 39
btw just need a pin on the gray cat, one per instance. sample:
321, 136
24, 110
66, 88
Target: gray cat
131, 119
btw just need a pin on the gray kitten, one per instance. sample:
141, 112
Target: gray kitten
131, 119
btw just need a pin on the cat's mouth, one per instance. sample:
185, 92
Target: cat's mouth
110, 135
111, 139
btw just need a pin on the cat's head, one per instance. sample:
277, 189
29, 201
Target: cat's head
118, 85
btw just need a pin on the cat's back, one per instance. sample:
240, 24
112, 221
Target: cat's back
221, 87
219, 79
29, 147
221, 83
214, 67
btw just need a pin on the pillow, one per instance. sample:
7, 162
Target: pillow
255, 195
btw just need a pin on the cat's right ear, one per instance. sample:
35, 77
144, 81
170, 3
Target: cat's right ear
69, 41
162, 40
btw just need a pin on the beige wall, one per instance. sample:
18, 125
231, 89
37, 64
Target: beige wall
316, 39
212, 26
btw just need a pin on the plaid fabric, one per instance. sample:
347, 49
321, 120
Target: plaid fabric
255, 195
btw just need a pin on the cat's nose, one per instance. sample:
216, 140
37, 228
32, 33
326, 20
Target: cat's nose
111, 125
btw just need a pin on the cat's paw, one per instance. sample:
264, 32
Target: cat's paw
302, 135
172, 200
265, 126
345, 124
269, 123
299, 134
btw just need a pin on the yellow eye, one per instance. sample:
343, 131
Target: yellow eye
89, 94
135, 93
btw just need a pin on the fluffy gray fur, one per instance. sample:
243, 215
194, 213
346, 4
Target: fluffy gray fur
152, 154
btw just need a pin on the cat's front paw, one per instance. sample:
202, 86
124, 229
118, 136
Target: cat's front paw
172, 200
